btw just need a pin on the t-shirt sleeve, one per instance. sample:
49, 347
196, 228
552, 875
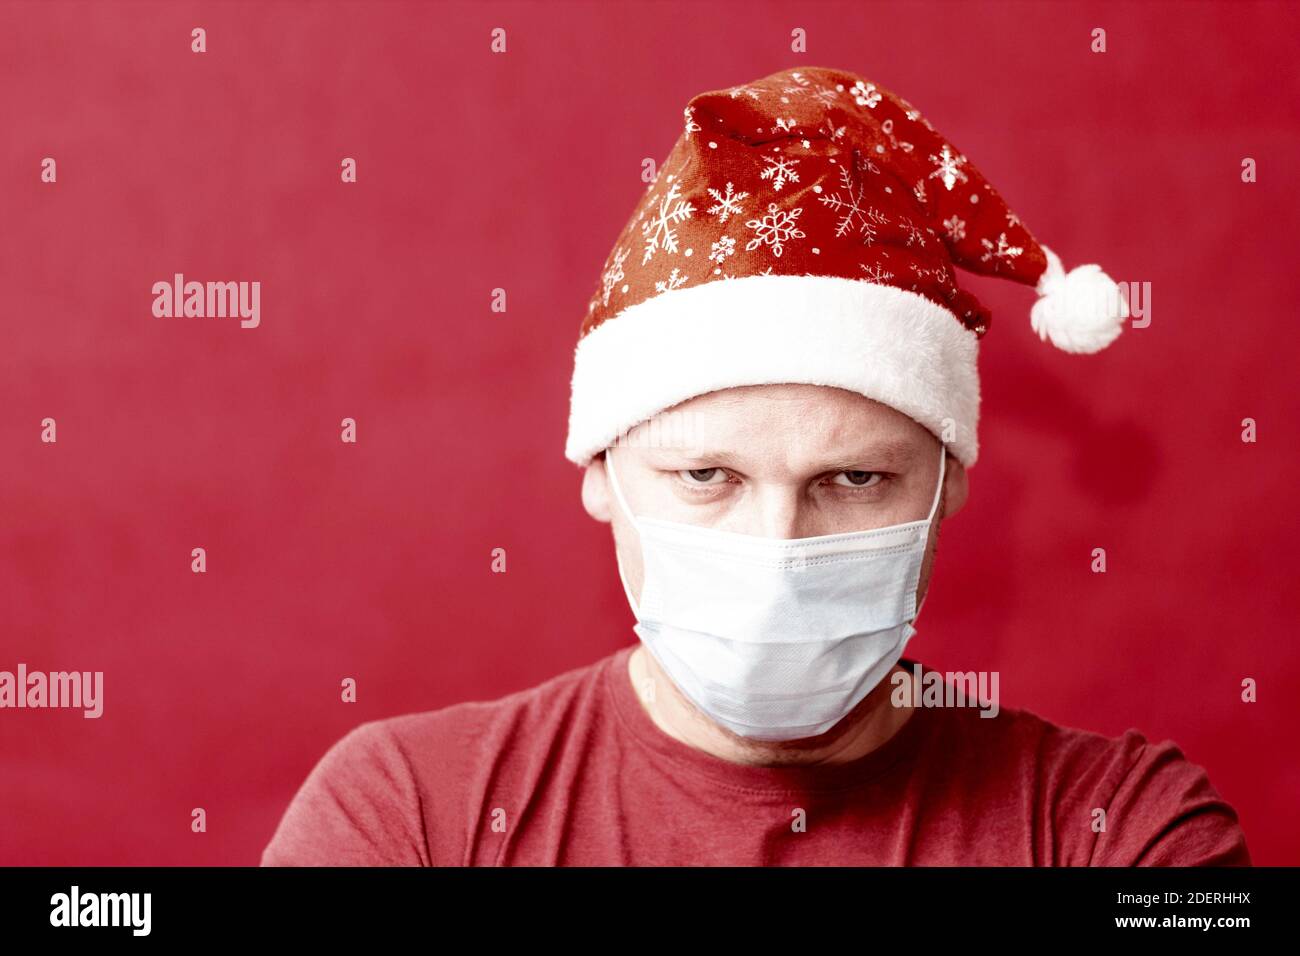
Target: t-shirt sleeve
359, 806
1165, 812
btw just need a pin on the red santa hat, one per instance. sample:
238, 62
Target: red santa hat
804, 229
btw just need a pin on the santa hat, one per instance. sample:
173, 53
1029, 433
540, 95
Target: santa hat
804, 229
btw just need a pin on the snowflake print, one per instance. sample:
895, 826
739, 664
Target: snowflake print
949, 167
780, 171
864, 162
726, 206
876, 274
919, 191
914, 233
614, 274
752, 92
824, 95
865, 94
887, 127
956, 228
851, 211
674, 281
832, 133
658, 230
1001, 253
846, 205
874, 218
775, 229
914, 114
1012, 218
939, 274
691, 125
725, 246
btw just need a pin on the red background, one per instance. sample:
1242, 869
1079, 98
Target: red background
476, 171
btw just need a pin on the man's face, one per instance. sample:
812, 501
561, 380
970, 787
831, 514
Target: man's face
778, 461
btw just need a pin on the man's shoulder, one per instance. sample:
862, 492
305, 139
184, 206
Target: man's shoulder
1025, 733
997, 735
1064, 757
1131, 799
377, 793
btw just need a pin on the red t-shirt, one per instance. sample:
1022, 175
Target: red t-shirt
575, 772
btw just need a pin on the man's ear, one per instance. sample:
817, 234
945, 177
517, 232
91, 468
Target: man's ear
955, 487
595, 489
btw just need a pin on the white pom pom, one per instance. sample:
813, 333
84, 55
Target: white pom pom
1081, 310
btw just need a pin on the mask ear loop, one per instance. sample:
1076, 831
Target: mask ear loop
627, 513
934, 507
618, 492
943, 462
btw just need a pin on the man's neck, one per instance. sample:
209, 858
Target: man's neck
869, 725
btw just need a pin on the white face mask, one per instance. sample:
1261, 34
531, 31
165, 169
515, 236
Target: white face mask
776, 638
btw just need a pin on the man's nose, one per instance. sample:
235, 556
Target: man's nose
776, 512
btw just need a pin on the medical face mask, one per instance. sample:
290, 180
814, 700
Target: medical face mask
776, 638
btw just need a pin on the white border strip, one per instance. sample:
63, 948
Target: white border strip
889, 344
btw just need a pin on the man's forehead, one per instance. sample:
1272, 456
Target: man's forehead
796, 423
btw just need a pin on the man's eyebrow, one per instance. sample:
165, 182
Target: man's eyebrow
888, 454
690, 455
885, 454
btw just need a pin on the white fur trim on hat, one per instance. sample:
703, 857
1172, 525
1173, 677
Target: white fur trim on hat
889, 344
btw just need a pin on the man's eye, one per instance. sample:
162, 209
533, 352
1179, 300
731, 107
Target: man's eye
704, 476
858, 479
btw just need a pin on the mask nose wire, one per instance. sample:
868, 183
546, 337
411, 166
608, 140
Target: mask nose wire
627, 513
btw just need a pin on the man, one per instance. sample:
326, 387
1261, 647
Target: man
775, 402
